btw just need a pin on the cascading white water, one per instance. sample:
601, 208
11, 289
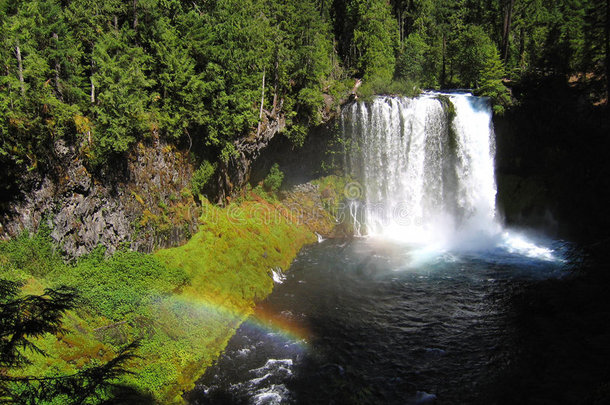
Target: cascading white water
425, 168
426, 165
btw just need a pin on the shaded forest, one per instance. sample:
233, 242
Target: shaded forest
106, 75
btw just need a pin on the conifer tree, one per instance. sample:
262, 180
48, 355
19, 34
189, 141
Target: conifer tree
25, 318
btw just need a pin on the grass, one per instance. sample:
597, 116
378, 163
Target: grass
184, 303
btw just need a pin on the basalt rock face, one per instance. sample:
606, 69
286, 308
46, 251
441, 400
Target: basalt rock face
143, 202
551, 161
254, 154
235, 174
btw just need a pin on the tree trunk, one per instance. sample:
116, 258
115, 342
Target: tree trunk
508, 16
8, 86
260, 114
92, 91
444, 69
91, 78
400, 27
276, 83
135, 15
521, 47
607, 29
20, 69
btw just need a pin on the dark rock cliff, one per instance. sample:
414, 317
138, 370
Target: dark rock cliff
235, 174
143, 202
257, 152
551, 165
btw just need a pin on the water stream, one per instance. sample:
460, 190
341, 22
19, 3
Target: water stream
419, 309
356, 322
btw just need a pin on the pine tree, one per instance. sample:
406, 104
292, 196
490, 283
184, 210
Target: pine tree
121, 110
375, 39
25, 318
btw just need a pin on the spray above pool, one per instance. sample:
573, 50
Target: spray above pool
426, 170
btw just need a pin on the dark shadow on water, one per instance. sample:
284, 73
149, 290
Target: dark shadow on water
471, 334
562, 347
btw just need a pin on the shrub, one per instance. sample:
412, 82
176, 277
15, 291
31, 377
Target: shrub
202, 176
274, 179
122, 284
30, 254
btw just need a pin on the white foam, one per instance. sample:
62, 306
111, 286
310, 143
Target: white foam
273, 395
278, 275
274, 365
257, 381
243, 352
268, 387
422, 397
520, 244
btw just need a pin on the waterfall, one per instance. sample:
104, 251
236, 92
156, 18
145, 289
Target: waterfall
425, 165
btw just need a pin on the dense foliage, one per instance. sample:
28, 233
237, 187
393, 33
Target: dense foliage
476, 44
274, 179
24, 319
106, 74
182, 305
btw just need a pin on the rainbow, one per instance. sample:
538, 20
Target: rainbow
263, 317
266, 318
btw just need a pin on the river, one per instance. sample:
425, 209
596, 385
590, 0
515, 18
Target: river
356, 322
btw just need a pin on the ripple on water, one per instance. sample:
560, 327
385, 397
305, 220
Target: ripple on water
435, 333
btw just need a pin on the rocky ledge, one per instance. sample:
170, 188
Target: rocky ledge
144, 205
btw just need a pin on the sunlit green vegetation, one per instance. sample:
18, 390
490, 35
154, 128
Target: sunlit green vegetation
274, 179
24, 319
183, 303
107, 76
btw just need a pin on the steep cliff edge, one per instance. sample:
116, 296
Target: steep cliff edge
143, 202
551, 164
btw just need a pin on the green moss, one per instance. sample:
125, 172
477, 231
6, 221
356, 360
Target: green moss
450, 113
201, 176
185, 303
226, 234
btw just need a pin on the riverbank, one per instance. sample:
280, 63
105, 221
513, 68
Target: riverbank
184, 303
